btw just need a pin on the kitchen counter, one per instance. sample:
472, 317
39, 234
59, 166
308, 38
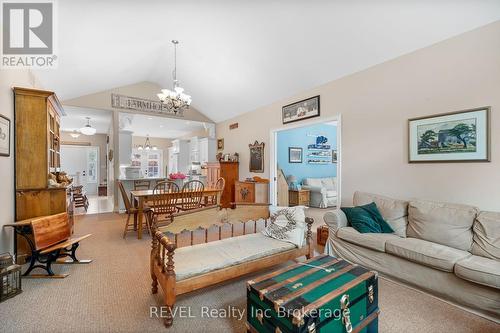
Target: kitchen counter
143, 178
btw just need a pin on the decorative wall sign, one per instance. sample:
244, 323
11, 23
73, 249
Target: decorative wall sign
220, 144
308, 108
461, 136
233, 126
256, 157
4, 136
294, 155
145, 105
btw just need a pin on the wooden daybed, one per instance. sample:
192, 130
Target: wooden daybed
214, 254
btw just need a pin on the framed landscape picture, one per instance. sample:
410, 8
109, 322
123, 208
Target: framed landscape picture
461, 136
307, 108
294, 155
4, 136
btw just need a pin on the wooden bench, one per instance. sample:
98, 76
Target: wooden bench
165, 243
52, 240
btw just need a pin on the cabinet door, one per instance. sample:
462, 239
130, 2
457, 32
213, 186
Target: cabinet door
31, 138
244, 192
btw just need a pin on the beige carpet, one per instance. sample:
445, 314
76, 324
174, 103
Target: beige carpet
113, 295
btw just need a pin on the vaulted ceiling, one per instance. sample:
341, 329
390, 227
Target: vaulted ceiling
238, 55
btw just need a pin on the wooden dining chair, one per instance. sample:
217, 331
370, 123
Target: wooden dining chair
132, 211
220, 185
140, 185
80, 197
191, 195
164, 203
215, 199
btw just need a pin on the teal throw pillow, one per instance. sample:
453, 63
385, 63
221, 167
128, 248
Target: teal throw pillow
367, 219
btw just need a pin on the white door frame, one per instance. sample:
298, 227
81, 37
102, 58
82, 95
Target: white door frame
273, 153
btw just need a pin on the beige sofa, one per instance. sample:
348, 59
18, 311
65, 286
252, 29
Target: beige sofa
449, 250
323, 191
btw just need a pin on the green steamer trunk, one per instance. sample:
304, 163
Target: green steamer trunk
322, 295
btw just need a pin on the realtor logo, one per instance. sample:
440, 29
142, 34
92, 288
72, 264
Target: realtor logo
28, 34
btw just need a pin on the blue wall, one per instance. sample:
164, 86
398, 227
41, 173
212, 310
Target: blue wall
298, 137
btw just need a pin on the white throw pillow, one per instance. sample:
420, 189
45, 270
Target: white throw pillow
287, 224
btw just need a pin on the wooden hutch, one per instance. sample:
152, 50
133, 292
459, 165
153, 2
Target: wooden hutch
230, 172
37, 116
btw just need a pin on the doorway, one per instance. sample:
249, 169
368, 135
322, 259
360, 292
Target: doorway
81, 163
308, 152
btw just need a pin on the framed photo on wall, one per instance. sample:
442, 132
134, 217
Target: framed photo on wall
461, 136
294, 155
256, 157
4, 136
220, 144
305, 109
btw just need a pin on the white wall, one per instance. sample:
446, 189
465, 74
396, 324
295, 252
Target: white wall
9, 79
97, 140
460, 73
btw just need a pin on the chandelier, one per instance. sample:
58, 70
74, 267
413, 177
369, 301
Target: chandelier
147, 145
175, 100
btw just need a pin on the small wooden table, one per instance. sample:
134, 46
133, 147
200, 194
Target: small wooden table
298, 197
143, 196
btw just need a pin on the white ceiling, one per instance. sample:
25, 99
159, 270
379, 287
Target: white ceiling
238, 55
158, 127
75, 119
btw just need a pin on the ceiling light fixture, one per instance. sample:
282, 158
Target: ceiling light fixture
175, 100
147, 145
87, 129
74, 134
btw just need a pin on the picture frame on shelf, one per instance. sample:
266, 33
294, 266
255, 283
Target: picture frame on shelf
460, 136
294, 155
256, 157
4, 136
305, 109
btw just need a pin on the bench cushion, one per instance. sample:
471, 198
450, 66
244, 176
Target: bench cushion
479, 270
426, 253
374, 241
204, 258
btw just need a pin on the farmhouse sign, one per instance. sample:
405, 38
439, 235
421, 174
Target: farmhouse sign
144, 105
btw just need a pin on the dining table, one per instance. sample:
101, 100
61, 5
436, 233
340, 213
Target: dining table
143, 196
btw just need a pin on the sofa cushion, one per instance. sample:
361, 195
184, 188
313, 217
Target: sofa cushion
328, 183
426, 253
315, 182
442, 223
480, 270
203, 258
331, 193
486, 238
369, 240
395, 212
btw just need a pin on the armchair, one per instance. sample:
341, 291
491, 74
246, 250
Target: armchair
323, 191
